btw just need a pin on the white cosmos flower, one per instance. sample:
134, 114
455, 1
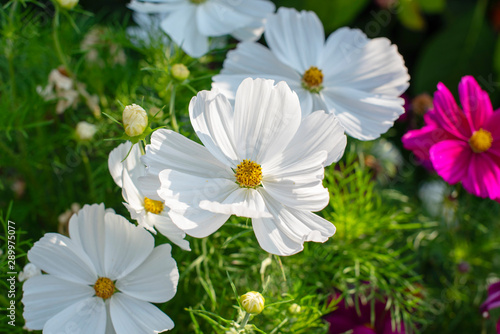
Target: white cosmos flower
100, 280
355, 78
144, 206
191, 22
260, 161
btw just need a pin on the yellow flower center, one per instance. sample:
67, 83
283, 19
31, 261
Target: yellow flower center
480, 141
197, 1
312, 79
153, 206
248, 174
104, 287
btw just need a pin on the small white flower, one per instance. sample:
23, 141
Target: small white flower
100, 280
148, 209
260, 161
85, 131
29, 270
62, 87
357, 79
191, 22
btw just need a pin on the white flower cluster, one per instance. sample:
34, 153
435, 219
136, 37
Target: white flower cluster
275, 118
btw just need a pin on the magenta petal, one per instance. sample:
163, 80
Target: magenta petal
363, 330
493, 288
475, 102
498, 326
451, 159
420, 141
493, 125
449, 116
493, 301
483, 178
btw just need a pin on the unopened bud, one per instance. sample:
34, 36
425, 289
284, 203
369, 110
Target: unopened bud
135, 120
252, 302
85, 131
68, 4
180, 72
294, 308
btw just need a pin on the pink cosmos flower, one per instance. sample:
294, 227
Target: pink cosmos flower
463, 145
493, 301
346, 318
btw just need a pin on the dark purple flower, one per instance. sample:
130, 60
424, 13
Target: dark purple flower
346, 318
493, 301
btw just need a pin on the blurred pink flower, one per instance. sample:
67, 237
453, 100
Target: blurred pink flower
463, 145
346, 318
493, 301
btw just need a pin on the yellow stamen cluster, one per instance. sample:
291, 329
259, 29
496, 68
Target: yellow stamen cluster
312, 79
480, 141
248, 174
153, 206
104, 287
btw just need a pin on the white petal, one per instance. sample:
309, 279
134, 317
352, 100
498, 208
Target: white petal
320, 131
364, 116
155, 280
252, 60
86, 316
152, 7
180, 190
181, 26
286, 233
126, 246
62, 257
86, 229
299, 184
115, 164
149, 185
216, 18
295, 38
165, 226
132, 162
170, 150
131, 194
352, 60
251, 33
266, 118
242, 202
130, 315
46, 295
197, 222
212, 118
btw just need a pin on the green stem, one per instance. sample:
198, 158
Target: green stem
57, 43
244, 322
172, 111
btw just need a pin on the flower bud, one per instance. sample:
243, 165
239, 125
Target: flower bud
85, 131
135, 120
68, 4
180, 72
252, 302
294, 308
29, 271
